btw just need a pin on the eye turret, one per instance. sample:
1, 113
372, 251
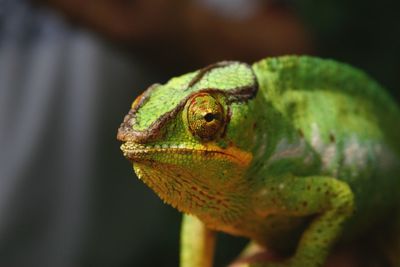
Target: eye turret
205, 116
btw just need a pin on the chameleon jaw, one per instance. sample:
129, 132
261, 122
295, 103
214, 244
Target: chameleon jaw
194, 177
142, 153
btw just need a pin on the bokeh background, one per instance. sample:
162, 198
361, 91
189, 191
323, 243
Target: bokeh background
69, 70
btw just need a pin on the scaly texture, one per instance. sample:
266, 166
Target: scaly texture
282, 152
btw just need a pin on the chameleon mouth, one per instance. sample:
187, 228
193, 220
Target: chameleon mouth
142, 153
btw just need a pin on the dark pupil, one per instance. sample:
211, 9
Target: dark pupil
209, 117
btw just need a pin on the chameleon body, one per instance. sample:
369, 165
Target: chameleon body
295, 153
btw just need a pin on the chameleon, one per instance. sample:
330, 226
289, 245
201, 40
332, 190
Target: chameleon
295, 153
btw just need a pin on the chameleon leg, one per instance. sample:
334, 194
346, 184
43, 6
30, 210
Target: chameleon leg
197, 243
329, 199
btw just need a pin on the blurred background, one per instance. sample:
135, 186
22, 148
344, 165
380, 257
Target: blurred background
69, 70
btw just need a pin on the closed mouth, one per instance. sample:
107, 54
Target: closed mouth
137, 152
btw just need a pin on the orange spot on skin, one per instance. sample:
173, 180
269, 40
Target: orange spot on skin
206, 195
137, 101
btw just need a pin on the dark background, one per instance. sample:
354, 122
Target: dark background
69, 70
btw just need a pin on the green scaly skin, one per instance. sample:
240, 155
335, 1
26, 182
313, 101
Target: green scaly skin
295, 153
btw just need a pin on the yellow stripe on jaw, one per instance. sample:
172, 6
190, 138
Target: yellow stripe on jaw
242, 157
239, 156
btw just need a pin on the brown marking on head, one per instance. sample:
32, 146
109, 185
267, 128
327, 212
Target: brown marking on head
205, 70
126, 131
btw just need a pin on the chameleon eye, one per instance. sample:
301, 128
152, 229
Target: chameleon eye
205, 116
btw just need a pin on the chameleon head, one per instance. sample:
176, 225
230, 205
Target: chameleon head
190, 139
